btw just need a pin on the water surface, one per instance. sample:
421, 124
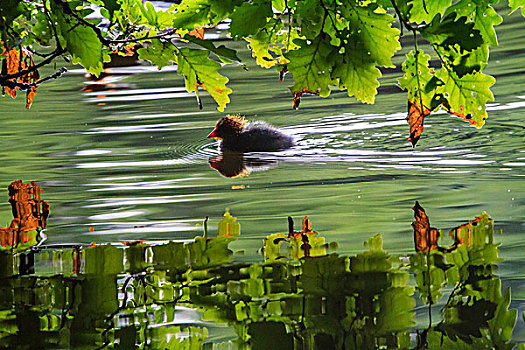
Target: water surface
133, 162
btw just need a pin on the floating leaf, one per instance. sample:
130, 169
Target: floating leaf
475, 233
30, 214
200, 71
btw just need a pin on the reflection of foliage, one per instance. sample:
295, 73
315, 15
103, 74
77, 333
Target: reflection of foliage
131, 295
30, 214
296, 244
476, 313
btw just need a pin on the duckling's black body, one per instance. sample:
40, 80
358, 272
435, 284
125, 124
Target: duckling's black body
240, 136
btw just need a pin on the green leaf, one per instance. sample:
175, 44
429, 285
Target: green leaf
249, 17
310, 16
417, 78
159, 53
259, 44
148, 12
452, 31
358, 77
469, 62
468, 94
190, 13
482, 15
11, 9
111, 6
200, 71
426, 10
372, 30
81, 41
516, 4
311, 65
221, 51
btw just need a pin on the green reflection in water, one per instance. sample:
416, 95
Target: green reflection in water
146, 295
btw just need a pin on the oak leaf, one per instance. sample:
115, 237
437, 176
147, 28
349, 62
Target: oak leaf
415, 119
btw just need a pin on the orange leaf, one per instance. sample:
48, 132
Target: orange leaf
415, 119
29, 211
425, 237
455, 232
198, 32
297, 96
30, 96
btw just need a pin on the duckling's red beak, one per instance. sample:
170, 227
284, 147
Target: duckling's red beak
213, 135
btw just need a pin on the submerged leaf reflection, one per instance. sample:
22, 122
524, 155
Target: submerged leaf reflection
139, 294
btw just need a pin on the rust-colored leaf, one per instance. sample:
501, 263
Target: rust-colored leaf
297, 96
30, 213
19, 60
425, 237
282, 72
415, 118
198, 32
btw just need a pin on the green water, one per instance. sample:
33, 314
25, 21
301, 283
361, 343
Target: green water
132, 162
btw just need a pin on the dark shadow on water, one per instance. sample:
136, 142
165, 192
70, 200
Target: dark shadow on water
237, 164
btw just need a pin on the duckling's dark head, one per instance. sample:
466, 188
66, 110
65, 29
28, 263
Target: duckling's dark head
229, 126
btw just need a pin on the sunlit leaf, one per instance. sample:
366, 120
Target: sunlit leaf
259, 45
451, 31
190, 13
372, 29
310, 66
159, 53
201, 72
416, 80
481, 14
81, 41
467, 96
426, 10
516, 4
357, 75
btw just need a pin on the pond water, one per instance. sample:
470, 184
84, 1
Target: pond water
132, 161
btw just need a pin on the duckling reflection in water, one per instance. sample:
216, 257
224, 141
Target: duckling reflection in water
235, 164
237, 134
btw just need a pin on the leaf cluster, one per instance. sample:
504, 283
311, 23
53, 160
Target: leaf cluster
325, 44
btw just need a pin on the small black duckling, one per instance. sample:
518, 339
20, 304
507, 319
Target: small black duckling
241, 136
